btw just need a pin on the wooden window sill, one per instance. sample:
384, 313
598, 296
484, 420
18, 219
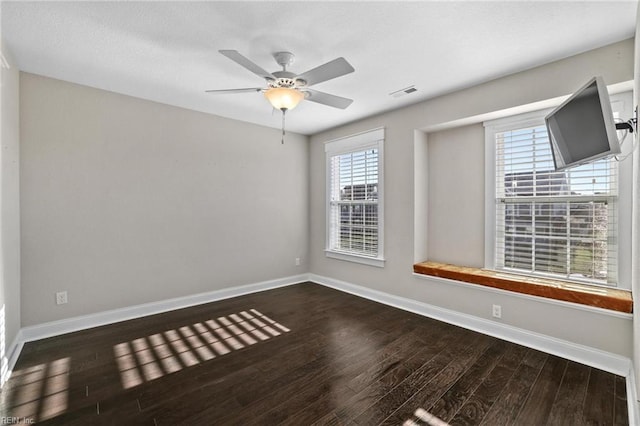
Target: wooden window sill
601, 297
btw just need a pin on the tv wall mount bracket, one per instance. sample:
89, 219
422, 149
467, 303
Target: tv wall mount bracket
631, 125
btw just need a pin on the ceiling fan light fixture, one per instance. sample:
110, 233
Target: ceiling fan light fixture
283, 98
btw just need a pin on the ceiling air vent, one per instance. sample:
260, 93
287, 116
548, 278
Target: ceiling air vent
403, 92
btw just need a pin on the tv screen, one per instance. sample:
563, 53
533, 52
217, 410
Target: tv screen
582, 128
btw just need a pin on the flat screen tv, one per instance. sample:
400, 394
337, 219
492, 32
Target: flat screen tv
582, 128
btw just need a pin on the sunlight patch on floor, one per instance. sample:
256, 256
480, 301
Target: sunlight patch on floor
148, 358
422, 417
41, 391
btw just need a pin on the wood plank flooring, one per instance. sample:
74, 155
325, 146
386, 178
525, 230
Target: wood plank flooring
301, 355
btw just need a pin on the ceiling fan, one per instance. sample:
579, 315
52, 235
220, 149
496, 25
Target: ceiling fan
285, 89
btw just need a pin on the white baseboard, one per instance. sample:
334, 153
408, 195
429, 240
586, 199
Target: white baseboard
606, 361
586, 355
633, 406
55, 328
9, 362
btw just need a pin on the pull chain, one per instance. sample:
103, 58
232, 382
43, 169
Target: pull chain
284, 110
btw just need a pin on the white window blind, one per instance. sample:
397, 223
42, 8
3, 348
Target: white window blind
354, 217
557, 224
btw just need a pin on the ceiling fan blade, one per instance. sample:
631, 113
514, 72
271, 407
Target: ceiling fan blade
332, 69
328, 99
246, 63
248, 89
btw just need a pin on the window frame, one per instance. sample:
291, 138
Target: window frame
350, 144
623, 104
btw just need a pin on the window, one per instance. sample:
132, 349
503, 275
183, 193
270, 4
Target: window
562, 225
355, 198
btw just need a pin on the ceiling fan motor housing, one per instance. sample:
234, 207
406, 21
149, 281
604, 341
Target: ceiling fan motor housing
289, 81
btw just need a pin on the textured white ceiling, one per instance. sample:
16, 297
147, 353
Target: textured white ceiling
168, 51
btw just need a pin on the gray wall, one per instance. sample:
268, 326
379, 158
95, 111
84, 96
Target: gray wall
456, 195
409, 202
126, 201
9, 207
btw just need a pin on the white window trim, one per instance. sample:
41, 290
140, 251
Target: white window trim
358, 142
625, 170
490, 129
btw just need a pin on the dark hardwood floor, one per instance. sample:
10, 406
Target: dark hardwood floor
301, 355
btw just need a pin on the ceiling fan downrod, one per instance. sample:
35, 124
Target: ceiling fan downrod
284, 59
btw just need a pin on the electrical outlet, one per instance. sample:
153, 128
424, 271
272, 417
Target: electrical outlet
297, 261
497, 311
61, 298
